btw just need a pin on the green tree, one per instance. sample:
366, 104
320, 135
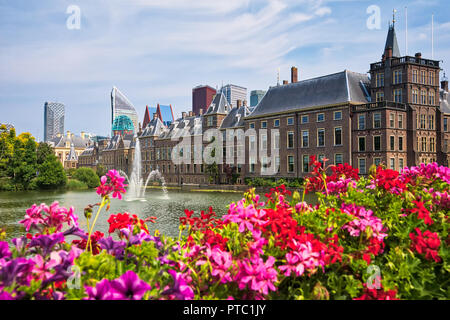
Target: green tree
51, 174
22, 166
101, 171
88, 176
42, 152
7, 139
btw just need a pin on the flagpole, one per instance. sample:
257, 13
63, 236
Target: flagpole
406, 38
432, 36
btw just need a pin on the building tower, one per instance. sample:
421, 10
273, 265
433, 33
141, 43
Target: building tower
53, 120
233, 93
202, 97
121, 106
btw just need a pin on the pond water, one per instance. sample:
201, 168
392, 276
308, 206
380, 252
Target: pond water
13, 206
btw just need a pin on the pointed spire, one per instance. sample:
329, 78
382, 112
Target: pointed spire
147, 118
391, 41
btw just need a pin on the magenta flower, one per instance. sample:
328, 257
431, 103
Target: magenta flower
33, 217
5, 296
180, 289
129, 287
46, 243
115, 186
4, 250
221, 264
258, 275
364, 219
246, 217
301, 259
42, 268
102, 291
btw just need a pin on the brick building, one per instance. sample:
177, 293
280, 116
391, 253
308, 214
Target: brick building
398, 116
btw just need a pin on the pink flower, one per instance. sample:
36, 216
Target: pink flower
33, 217
42, 268
221, 262
302, 258
247, 217
115, 186
258, 275
364, 219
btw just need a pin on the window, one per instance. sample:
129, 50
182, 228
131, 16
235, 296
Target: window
415, 76
290, 140
338, 115
423, 97
379, 96
305, 138
252, 125
415, 96
362, 122
320, 117
401, 164
377, 162
263, 142
276, 138
362, 166
210, 121
338, 136
392, 163
321, 137
392, 120
400, 143
338, 159
305, 119
397, 77
276, 123
290, 121
424, 144
377, 120
431, 99
431, 78
361, 144
431, 122
291, 164
252, 143
377, 143
392, 143
423, 77
445, 124
432, 144
263, 124
277, 163
400, 121
379, 80
305, 163
423, 121
398, 95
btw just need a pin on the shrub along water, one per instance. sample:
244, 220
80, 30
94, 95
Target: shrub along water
382, 237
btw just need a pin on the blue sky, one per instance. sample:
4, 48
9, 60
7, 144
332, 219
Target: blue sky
156, 51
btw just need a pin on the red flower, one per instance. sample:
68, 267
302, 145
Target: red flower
97, 235
377, 294
123, 220
422, 212
389, 180
427, 244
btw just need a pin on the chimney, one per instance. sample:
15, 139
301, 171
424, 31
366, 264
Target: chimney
444, 85
285, 82
191, 113
238, 103
155, 115
83, 135
294, 75
418, 55
183, 115
201, 111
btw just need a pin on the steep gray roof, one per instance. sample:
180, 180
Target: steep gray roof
391, 42
72, 156
154, 128
78, 142
114, 143
218, 105
342, 87
235, 118
183, 127
89, 151
444, 101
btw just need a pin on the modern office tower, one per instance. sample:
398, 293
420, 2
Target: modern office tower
255, 97
53, 120
201, 98
234, 93
121, 106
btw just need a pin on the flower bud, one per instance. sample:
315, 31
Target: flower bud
320, 292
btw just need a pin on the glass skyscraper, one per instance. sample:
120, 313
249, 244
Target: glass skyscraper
121, 106
234, 93
53, 120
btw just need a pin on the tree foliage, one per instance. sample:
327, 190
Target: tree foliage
88, 176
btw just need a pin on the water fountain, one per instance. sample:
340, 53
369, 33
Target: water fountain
136, 185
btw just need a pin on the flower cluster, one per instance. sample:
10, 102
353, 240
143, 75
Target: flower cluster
427, 243
115, 185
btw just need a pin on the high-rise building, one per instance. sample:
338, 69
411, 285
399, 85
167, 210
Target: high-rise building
121, 106
53, 120
234, 93
255, 97
201, 98
163, 112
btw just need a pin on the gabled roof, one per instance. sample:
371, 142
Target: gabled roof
218, 105
72, 156
153, 128
183, 127
77, 141
391, 42
166, 113
342, 87
234, 119
147, 117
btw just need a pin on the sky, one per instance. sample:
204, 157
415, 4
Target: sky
156, 51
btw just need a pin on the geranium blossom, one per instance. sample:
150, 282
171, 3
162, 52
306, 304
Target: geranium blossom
247, 217
129, 287
260, 276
